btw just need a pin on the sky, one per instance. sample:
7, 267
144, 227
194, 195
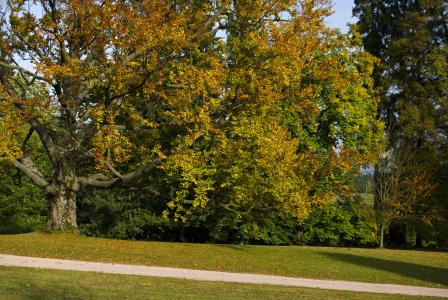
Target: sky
342, 14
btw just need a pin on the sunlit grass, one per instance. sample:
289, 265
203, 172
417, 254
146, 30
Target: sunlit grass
424, 268
21, 283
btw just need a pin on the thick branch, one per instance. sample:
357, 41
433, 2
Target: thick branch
104, 182
23, 70
46, 139
27, 166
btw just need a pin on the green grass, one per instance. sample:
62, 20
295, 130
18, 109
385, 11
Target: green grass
424, 268
22, 283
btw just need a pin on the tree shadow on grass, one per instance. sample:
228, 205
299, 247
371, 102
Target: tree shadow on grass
39, 292
420, 272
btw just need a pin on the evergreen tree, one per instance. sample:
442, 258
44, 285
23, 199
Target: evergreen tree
410, 39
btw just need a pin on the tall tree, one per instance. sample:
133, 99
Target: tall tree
298, 114
410, 39
109, 80
255, 101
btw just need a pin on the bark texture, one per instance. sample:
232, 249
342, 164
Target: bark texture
62, 210
62, 202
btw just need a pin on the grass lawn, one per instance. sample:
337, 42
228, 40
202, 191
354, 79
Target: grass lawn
22, 283
424, 268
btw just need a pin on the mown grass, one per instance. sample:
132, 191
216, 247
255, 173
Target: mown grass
22, 283
424, 268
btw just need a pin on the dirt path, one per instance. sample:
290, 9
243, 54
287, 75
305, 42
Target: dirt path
60, 264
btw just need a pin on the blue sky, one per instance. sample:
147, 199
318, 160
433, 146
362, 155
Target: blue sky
342, 14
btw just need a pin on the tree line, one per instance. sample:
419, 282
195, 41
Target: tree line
226, 121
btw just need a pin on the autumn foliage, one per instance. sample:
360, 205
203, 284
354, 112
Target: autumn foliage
242, 105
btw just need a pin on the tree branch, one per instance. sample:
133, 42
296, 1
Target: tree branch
26, 165
103, 182
113, 170
46, 139
28, 136
23, 70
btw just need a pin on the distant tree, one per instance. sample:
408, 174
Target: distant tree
399, 184
363, 183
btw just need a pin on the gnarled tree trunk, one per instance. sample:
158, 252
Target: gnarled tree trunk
62, 210
62, 202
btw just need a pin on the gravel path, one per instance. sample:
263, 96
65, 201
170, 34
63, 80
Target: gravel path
60, 264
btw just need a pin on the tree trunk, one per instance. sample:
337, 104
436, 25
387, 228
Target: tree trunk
62, 211
418, 241
382, 237
62, 205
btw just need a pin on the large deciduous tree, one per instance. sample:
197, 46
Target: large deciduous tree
297, 114
107, 71
245, 105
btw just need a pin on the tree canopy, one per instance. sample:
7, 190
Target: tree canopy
247, 106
